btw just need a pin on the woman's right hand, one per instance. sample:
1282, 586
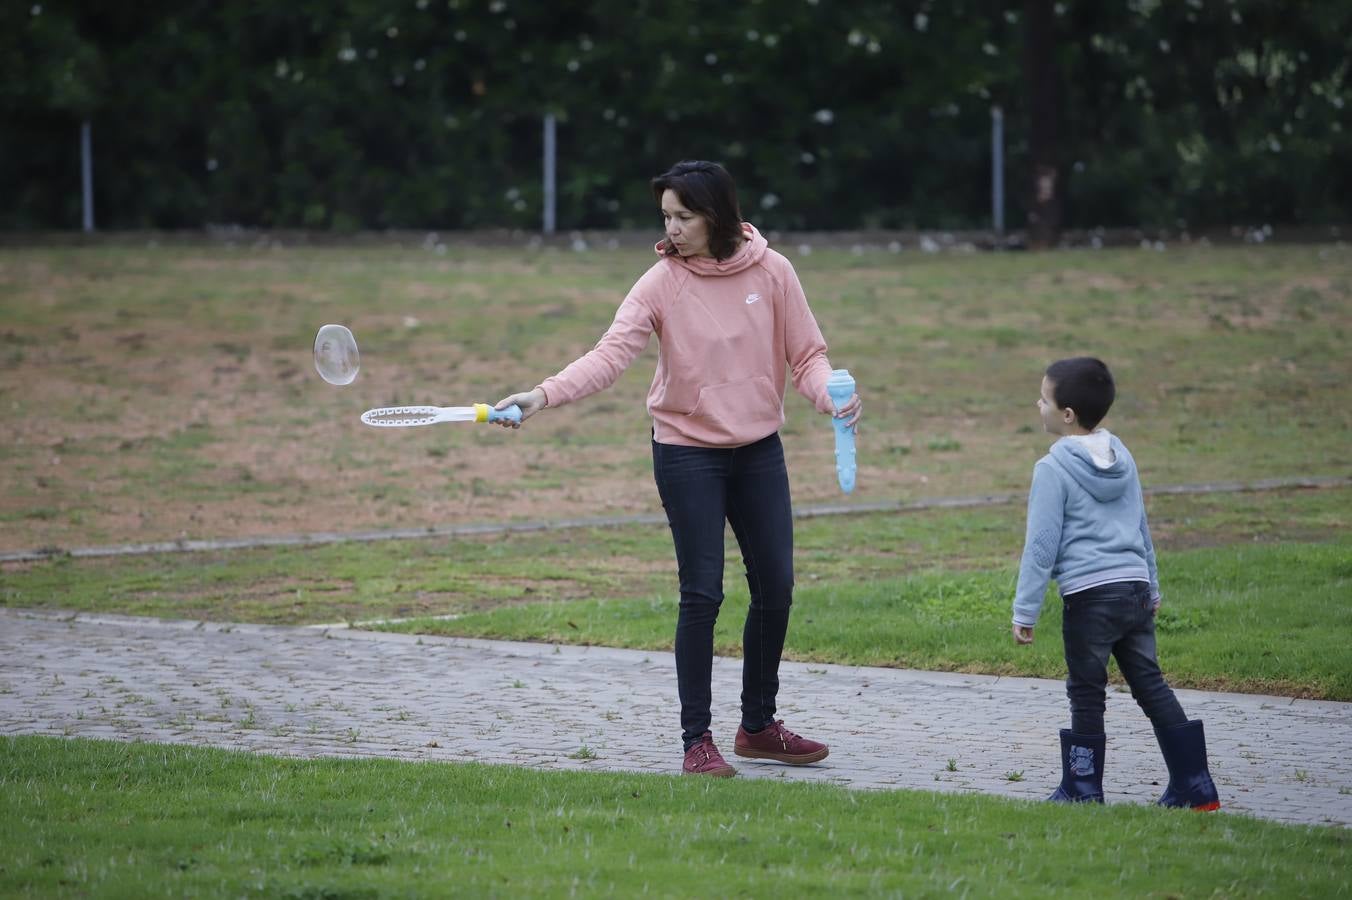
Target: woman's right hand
851, 412
531, 402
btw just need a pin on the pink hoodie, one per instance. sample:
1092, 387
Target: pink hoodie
725, 331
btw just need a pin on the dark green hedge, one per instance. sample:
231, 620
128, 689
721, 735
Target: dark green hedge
358, 114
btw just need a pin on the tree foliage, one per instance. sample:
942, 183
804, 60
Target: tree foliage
348, 114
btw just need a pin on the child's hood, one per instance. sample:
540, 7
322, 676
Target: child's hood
1103, 484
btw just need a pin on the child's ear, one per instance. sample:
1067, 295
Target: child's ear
1069, 416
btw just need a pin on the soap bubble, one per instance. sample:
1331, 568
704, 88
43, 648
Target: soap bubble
336, 357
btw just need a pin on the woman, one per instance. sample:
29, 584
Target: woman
729, 313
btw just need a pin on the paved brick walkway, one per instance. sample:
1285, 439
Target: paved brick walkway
338, 692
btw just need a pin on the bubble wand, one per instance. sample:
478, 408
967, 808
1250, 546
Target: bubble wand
407, 416
337, 360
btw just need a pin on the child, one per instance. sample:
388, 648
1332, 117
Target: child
1087, 530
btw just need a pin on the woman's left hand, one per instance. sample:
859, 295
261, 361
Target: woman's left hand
851, 411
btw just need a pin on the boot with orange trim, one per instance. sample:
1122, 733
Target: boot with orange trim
1190, 785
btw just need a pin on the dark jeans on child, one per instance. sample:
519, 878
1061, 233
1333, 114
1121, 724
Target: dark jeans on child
748, 487
1115, 619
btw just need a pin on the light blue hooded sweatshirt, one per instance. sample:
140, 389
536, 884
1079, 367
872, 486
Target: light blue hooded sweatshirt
1086, 526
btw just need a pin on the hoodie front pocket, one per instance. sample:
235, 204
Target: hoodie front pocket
736, 406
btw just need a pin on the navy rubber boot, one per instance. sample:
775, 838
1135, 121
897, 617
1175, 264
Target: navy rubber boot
1081, 768
1190, 785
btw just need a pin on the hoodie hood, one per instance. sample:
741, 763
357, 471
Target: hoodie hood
747, 255
1103, 484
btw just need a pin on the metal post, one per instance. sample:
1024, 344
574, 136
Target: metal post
550, 147
998, 169
87, 175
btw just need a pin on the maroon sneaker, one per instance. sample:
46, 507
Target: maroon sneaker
778, 743
703, 758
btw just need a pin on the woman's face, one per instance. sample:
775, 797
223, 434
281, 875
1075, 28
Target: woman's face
688, 231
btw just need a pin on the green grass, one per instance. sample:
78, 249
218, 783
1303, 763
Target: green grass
93, 818
1259, 619
359, 581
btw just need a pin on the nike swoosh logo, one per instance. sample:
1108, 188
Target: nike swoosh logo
752, 298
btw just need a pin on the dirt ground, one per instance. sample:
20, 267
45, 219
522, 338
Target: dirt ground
152, 432
167, 393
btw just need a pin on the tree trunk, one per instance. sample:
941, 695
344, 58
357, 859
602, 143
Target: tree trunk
1040, 82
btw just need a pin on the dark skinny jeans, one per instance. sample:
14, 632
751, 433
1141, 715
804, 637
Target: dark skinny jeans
748, 487
1116, 619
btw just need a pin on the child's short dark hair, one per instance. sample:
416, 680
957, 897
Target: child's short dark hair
1085, 385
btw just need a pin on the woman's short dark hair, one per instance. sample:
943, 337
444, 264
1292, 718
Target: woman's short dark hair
705, 188
1085, 385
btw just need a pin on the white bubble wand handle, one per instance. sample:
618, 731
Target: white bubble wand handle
840, 386
409, 416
